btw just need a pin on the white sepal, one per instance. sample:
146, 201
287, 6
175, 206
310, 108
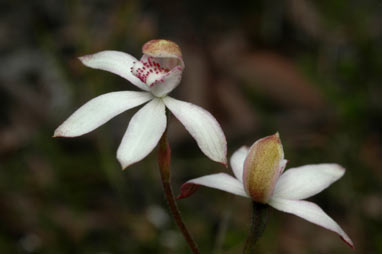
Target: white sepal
117, 62
237, 162
98, 111
202, 126
312, 213
306, 181
143, 133
219, 181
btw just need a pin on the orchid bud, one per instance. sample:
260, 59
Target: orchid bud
262, 167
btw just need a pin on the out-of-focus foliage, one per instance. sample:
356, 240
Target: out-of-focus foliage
308, 69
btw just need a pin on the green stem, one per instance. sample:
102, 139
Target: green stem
259, 221
164, 159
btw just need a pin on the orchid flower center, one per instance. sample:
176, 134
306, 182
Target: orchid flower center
149, 70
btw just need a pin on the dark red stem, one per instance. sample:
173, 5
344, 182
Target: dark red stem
164, 160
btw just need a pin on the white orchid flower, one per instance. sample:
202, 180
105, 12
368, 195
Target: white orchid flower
157, 73
259, 175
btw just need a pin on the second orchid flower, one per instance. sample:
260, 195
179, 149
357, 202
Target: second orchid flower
259, 175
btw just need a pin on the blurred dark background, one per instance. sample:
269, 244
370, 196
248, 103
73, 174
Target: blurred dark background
308, 69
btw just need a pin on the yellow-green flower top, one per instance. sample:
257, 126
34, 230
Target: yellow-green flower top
162, 48
262, 167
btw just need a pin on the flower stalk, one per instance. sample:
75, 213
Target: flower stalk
164, 160
258, 223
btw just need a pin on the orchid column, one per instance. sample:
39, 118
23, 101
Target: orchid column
157, 73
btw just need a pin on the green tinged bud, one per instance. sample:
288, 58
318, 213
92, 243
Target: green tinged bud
263, 167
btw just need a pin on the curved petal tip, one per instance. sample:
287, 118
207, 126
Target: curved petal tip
348, 242
187, 189
55, 134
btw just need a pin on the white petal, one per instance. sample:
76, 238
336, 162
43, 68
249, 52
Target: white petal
312, 213
167, 83
143, 133
98, 111
202, 126
237, 162
219, 181
306, 181
117, 62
